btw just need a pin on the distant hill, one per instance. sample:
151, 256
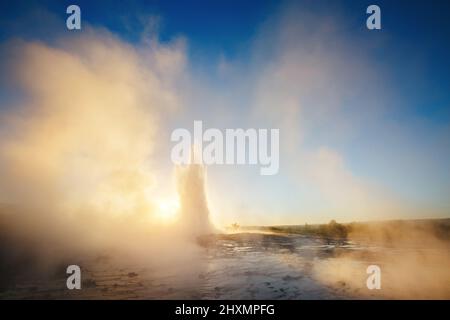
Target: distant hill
408, 231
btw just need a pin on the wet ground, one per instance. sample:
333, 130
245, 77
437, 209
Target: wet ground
233, 266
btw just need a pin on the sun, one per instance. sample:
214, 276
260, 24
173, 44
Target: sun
168, 209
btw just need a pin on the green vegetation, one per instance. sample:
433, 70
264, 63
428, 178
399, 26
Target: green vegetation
411, 231
332, 230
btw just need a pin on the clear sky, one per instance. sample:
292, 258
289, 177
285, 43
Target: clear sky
364, 116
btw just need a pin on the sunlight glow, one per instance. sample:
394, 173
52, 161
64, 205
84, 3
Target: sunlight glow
168, 209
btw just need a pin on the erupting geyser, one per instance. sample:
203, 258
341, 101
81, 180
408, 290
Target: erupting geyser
194, 213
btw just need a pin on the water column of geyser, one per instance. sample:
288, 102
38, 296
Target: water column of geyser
194, 212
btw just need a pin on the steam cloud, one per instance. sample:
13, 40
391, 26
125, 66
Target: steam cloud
74, 154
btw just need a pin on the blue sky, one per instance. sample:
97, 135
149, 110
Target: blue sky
377, 113
416, 29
